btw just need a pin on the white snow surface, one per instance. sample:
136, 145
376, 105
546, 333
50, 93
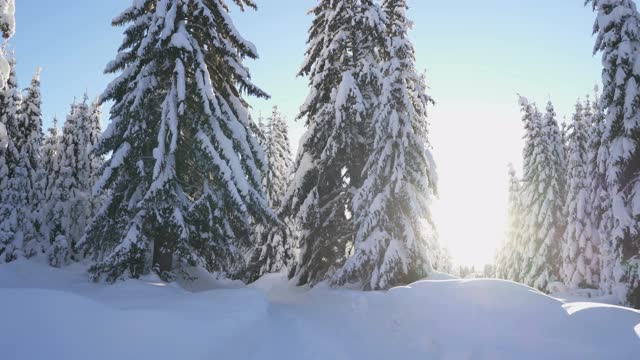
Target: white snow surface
58, 314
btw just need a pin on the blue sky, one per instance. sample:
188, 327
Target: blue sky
478, 54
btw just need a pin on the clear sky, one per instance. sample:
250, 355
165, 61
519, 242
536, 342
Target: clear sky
478, 55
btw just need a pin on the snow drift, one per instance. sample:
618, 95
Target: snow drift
58, 314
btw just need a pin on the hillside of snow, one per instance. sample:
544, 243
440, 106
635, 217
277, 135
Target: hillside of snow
58, 314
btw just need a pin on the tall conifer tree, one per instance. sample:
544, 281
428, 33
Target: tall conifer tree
10, 159
51, 154
618, 39
274, 251
580, 265
5, 207
184, 180
278, 153
72, 208
600, 197
31, 120
396, 240
543, 197
18, 221
509, 257
260, 129
342, 67
7, 29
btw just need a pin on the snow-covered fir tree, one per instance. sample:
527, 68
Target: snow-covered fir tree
396, 240
273, 252
31, 121
597, 197
7, 29
278, 153
18, 220
580, 261
543, 197
6, 230
31, 127
8, 160
509, 257
564, 135
618, 39
444, 260
92, 161
69, 197
261, 132
11, 98
600, 198
184, 179
342, 66
51, 153
66, 218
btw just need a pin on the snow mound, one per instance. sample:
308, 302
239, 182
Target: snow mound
58, 314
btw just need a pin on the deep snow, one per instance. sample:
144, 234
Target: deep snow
58, 314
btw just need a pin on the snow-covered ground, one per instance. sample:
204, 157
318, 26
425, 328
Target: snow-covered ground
58, 314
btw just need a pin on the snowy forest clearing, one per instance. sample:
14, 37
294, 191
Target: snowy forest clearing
58, 314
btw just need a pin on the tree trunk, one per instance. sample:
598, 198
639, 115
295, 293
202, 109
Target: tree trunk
162, 253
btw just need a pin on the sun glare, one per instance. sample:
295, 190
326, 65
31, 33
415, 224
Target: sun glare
471, 210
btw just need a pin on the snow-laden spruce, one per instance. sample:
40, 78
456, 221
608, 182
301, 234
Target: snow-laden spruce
7, 29
618, 39
443, 260
8, 160
601, 215
508, 264
543, 196
184, 179
396, 240
66, 189
18, 218
31, 120
6, 231
278, 153
93, 160
51, 154
273, 252
70, 201
342, 66
260, 131
7, 147
580, 260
